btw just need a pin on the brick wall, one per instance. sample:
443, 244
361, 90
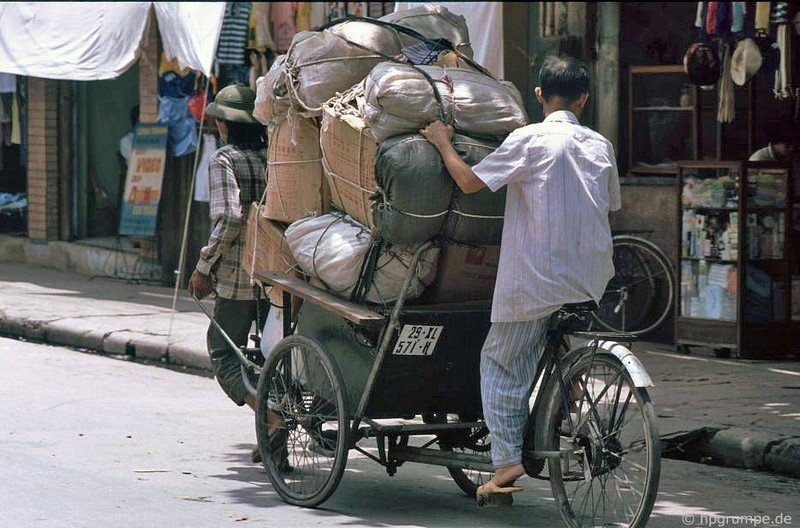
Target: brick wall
42, 159
148, 74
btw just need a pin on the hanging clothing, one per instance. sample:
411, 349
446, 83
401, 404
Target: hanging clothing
234, 33
302, 20
726, 108
201, 185
711, 18
8, 83
762, 15
739, 12
260, 31
282, 16
318, 15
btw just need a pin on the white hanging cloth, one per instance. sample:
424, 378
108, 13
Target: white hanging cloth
89, 41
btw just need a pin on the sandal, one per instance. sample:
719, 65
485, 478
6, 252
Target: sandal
491, 495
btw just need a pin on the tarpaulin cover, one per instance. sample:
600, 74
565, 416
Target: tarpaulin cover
87, 41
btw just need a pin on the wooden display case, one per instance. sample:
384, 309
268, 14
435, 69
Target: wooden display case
662, 119
737, 263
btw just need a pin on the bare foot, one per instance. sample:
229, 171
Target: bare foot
505, 476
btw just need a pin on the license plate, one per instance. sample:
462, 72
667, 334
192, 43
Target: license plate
417, 340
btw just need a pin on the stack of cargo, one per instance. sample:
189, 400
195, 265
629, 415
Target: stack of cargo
360, 91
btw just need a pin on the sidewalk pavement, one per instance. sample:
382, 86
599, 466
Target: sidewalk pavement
734, 412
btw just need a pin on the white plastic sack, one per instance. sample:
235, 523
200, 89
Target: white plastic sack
332, 247
273, 330
399, 99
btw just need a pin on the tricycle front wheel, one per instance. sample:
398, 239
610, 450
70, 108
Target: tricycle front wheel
306, 455
606, 429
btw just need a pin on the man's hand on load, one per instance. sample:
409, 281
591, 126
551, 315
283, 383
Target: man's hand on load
438, 134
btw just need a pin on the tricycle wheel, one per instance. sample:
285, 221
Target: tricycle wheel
306, 456
475, 440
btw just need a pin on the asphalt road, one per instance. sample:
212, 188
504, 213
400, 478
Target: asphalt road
96, 441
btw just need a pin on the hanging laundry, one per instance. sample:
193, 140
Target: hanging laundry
739, 12
282, 16
357, 9
260, 31
779, 13
722, 22
726, 110
181, 125
302, 17
762, 16
783, 75
8, 83
319, 14
233, 39
201, 184
174, 81
711, 18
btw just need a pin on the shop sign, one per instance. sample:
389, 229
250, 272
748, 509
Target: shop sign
143, 181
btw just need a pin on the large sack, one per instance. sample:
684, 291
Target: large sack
414, 190
321, 63
332, 248
418, 200
433, 22
400, 99
272, 98
476, 218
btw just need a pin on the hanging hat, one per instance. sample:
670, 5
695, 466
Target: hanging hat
234, 103
701, 64
745, 62
770, 52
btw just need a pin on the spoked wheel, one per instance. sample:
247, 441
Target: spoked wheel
609, 472
639, 296
306, 456
475, 440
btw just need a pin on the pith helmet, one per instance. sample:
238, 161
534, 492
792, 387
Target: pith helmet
233, 103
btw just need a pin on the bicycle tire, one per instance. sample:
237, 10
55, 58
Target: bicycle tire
304, 387
610, 472
645, 275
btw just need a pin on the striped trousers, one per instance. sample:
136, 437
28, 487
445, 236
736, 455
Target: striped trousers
509, 359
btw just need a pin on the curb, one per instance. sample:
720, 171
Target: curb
756, 450
120, 342
735, 447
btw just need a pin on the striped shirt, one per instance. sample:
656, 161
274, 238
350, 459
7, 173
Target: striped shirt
556, 248
234, 33
236, 179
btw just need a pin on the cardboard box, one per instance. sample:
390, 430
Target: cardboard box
348, 158
296, 187
464, 274
265, 249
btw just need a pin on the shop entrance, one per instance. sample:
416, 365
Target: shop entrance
13, 179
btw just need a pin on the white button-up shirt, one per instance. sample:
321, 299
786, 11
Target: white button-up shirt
562, 181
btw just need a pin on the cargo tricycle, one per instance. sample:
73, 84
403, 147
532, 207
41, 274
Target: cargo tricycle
406, 376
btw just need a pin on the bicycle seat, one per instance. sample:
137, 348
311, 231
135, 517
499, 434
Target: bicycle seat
580, 308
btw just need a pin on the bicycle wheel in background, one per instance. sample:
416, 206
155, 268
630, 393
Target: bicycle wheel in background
610, 470
640, 295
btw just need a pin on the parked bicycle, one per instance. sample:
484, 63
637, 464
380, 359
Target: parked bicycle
640, 296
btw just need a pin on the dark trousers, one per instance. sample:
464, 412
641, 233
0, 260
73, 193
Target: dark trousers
236, 318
